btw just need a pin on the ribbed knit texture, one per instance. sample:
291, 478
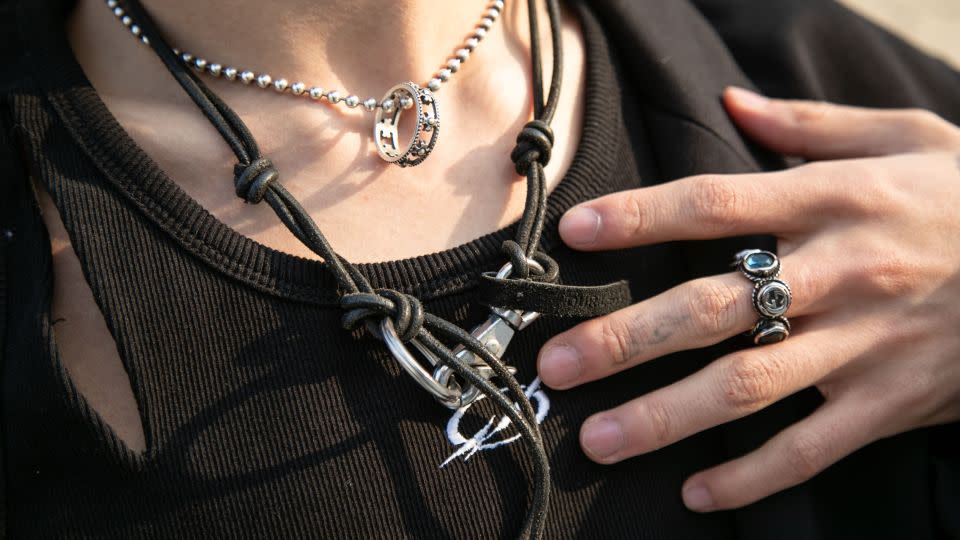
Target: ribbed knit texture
264, 419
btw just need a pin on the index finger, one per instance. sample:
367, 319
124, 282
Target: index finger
703, 207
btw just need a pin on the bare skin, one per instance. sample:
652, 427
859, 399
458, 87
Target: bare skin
466, 189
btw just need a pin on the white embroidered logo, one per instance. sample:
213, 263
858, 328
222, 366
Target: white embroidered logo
467, 447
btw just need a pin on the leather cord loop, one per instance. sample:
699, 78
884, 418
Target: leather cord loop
551, 270
253, 180
404, 310
522, 269
534, 144
518, 259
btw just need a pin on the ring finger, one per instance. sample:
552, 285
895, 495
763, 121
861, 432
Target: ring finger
729, 388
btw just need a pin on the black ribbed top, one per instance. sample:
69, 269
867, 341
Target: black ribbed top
264, 419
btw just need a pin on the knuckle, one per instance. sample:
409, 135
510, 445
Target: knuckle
712, 307
660, 421
617, 340
856, 190
807, 117
747, 383
891, 276
714, 202
811, 112
816, 173
807, 283
638, 215
874, 196
923, 118
917, 395
928, 129
910, 401
806, 456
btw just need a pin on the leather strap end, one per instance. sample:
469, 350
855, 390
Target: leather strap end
553, 299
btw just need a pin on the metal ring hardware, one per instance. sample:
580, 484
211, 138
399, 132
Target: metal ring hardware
495, 334
447, 394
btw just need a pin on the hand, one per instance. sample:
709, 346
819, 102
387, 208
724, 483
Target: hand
870, 245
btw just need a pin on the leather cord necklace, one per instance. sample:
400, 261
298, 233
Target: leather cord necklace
524, 287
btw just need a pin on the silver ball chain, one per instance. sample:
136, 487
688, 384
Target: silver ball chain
334, 97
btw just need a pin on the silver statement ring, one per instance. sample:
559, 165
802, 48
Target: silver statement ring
771, 296
403, 98
757, 264
768, 331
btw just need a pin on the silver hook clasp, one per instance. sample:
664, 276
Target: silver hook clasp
495, 334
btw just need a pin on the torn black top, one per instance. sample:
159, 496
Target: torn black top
284, 425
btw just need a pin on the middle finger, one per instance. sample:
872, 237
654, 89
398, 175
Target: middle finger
695, 314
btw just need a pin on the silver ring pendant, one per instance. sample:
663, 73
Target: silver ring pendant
407, 98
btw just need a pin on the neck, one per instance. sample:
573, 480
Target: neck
361, 46
463, 191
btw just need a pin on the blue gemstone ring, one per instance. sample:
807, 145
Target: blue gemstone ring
771, 296
768, 331
757, 264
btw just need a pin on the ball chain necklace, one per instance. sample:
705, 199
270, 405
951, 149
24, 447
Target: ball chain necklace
523, 288
388, 110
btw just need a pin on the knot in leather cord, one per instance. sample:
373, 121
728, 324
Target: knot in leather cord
252, 180
522, 269
404, 310
534, 144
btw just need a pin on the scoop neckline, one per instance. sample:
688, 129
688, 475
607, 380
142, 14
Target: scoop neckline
140, 179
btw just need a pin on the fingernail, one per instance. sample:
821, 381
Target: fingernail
560, 366
697, 498
579, 226
748, 99
602, 438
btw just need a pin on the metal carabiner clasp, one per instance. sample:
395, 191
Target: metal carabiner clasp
495, 334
